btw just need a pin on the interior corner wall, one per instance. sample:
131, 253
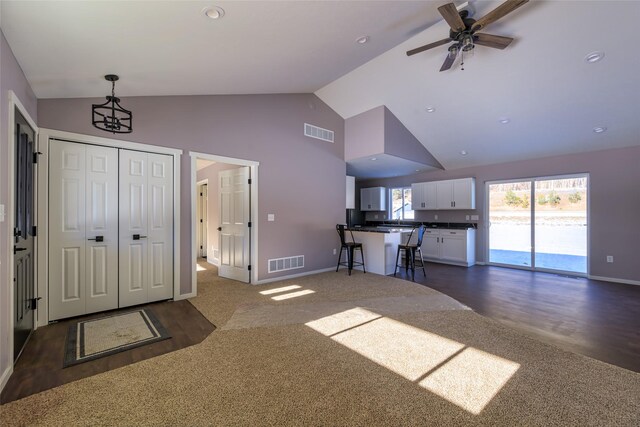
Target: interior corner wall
11, 78
211, 174
614, 193
301, 180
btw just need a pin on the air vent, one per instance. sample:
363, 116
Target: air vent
288, 263
318, 133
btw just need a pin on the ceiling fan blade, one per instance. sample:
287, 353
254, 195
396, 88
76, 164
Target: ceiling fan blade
490, 40
428, 46
497, 13
451, 15
449, 61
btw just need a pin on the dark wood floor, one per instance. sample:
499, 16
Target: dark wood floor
40, 365
597, 319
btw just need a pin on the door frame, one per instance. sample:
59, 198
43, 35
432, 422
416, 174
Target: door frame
13, 103
199, 184
533, 180
253, 216
43, 201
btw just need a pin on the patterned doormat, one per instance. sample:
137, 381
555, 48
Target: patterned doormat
92, 339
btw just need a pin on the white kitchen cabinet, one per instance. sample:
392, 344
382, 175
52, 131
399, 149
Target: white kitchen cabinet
444, 195
453, 245
450, 246
351, 192
431, 244
373, 199
423, 196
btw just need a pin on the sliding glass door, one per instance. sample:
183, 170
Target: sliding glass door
539, 223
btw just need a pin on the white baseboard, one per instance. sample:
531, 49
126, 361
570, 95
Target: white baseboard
185, 296
614, 280
214, 261
293, 276
5, 376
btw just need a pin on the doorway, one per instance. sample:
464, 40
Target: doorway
230, 222
539, 223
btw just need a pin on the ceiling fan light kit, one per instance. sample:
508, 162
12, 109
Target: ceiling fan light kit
111, 116
464, 31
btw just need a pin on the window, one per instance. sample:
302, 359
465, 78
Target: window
401, 203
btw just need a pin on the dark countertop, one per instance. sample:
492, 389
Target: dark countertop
407, 226
380, 229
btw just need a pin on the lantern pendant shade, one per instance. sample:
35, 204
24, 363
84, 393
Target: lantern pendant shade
111, 116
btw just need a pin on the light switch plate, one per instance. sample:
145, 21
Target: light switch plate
271, 217
475, 217
2, 213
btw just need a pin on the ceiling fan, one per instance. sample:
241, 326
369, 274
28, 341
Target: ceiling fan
464, 31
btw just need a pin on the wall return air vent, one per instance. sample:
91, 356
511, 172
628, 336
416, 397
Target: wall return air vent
288, 263
318, 133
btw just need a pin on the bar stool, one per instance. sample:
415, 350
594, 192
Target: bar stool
350, 249
410, 254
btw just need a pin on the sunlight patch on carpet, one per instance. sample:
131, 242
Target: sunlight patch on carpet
278, 290
471, 379
293, 295
465, 376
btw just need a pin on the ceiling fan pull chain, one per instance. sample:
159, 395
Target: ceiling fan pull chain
462, 61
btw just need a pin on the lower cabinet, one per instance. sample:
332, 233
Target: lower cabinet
450, 246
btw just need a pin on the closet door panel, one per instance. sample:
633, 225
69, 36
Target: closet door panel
67, 241
101, 280
133, 253
160, 202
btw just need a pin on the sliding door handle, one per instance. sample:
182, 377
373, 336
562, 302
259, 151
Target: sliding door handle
98, 239
138, 237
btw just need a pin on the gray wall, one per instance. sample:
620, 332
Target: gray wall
11, 78
213, 214
614, 201
301, 179
364, 134
399, 142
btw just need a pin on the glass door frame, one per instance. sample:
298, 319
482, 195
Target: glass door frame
533, 180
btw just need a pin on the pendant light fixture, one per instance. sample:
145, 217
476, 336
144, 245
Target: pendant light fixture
111, 116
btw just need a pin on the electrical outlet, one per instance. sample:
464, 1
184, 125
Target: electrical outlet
2, 213
271, 217
335, 251
467, 217
435, 217
375, 217
609, 258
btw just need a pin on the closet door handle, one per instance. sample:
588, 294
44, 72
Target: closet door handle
138, 237
219, 228
98, 239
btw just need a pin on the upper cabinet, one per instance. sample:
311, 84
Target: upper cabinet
423, 195
351, 192
444, 195
373, 199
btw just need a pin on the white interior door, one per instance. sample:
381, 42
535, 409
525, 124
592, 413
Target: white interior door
82, 205
201, 210
160, 227
205, 205
234, 206
101, 277
146, 227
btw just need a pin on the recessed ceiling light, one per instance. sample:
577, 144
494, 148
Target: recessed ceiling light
362, 40
430, 109
594, 57
505, 120
599, 129
463, 152
213, 12
374, 158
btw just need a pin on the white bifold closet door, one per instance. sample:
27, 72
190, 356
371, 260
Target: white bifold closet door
83, 229
146, 227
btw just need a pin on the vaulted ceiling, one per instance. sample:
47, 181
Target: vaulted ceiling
552, 97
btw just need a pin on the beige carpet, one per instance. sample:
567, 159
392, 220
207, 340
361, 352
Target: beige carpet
337, 350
